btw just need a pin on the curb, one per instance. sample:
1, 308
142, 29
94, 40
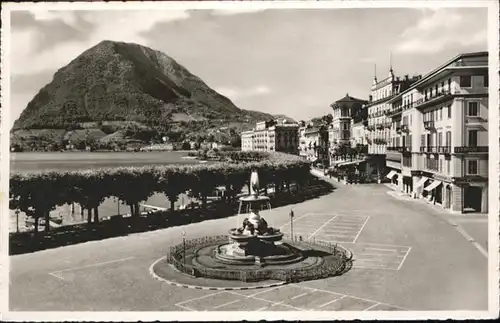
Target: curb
155, 276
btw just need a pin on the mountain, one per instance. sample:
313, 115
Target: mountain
127, 91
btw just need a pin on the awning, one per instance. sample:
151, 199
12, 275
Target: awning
432, 186
391, 174
420, 183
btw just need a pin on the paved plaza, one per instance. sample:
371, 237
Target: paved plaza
406, 257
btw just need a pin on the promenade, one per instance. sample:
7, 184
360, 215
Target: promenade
407, 257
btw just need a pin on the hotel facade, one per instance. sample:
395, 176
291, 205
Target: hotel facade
340, 131
439, 147
272, 136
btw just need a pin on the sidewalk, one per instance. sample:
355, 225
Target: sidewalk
472, 226
333, 180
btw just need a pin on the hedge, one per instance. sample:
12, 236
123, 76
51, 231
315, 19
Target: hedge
36, 194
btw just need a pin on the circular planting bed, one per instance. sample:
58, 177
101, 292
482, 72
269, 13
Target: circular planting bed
303, 261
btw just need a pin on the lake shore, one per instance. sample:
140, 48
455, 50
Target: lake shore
35, 162
66, 161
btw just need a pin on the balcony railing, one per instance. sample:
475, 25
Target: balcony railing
395, 111
429, 149
380, 126
469, 149
435, 98
428, 125
444, 149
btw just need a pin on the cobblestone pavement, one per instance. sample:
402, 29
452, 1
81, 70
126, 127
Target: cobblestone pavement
406, 257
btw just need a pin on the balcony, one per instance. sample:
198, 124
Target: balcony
429, 125
444, 149
429, 149
394, 112
470, 149
380, 126
433, 99
405, 128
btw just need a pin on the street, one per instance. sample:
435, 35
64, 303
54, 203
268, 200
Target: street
406, 258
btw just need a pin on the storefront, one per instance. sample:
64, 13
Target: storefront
394, 177
434, 189
475, 197
418, 187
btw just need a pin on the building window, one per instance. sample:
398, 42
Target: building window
448, 138
472, 110
449, 85
472, 167
441, 113
449, 111
422, 140
485, 81
440, 165
465, 81
472, 138
410, 119
448, 166
440, 139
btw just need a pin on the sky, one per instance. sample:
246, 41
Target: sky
294, 62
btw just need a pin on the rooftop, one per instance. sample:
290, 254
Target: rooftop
439, 69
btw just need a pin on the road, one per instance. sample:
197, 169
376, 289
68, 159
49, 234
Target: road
407, 257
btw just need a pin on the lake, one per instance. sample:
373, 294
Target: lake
48, 161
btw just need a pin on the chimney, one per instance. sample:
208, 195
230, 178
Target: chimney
407, 77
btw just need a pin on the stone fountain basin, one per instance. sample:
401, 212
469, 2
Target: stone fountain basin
271, 237
277, 236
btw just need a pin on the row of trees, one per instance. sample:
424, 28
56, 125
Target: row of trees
38, 194
348, 152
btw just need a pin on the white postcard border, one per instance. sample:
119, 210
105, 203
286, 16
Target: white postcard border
494, 194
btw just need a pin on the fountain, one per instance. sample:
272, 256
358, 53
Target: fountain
254, 251
255, 241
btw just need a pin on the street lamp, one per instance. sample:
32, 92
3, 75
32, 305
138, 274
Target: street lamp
184, 246
17, 221
291, 224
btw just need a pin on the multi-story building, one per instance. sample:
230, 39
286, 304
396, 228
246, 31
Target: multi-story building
272, 136
302, 142
261, 136
339, 132
441, 140
358, 129
379, 123
247, 140
284, 137
316, 144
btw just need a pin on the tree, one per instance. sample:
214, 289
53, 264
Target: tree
172, 182
327, 119
186, 145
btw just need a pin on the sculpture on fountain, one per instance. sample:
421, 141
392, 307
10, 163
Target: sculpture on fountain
254, 237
